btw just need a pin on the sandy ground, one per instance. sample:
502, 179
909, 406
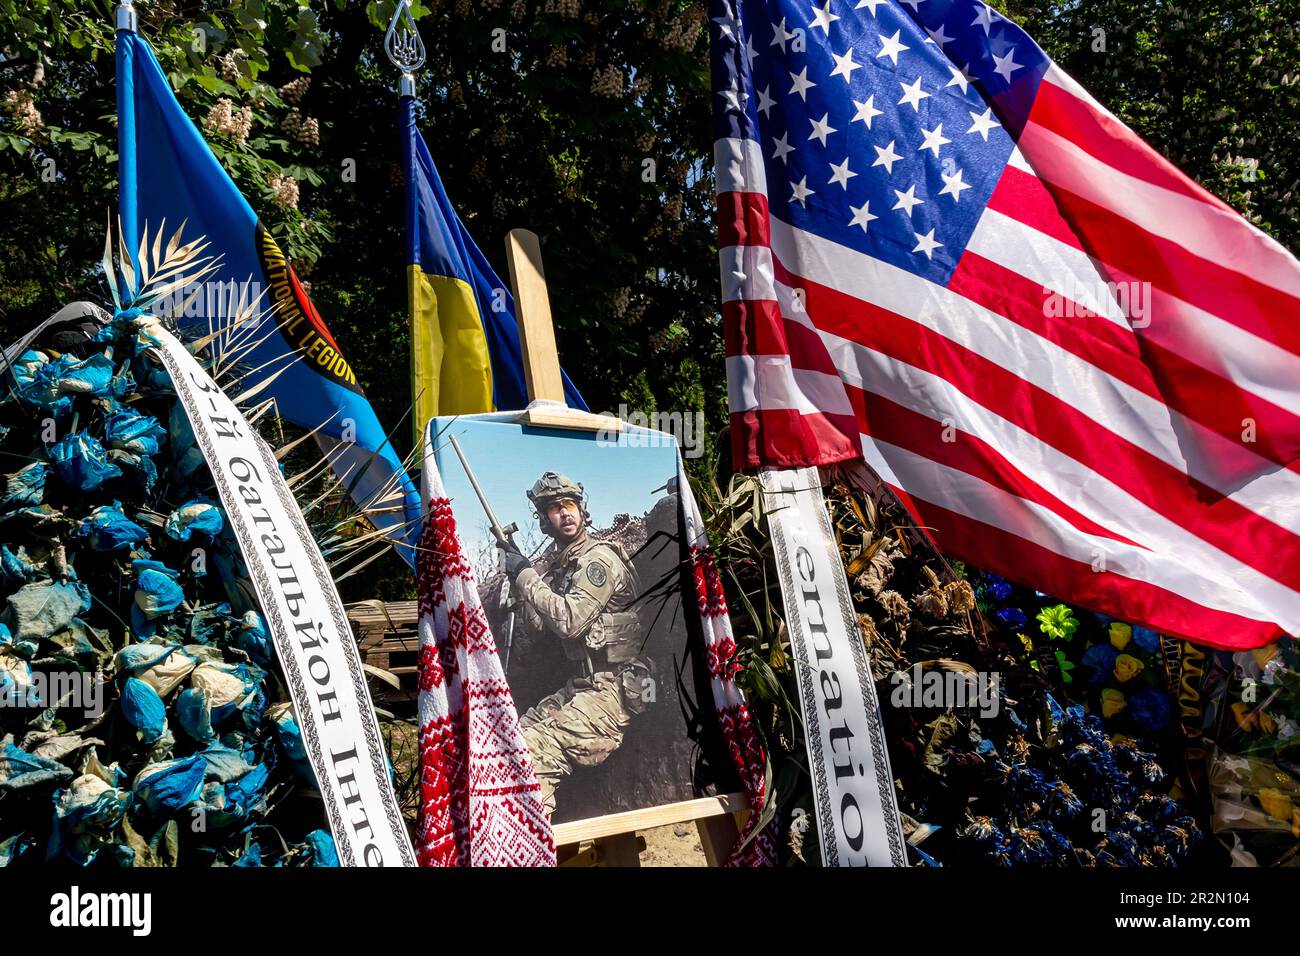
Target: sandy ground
677, 845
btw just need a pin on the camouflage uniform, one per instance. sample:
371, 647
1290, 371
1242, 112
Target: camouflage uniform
582, 595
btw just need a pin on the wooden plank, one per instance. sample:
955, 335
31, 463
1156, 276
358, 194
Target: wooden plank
533, 310
631, 820
537, 341
717, 836
620, 849
556, 417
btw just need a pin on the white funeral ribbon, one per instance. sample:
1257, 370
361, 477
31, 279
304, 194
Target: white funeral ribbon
322, 665
853, 787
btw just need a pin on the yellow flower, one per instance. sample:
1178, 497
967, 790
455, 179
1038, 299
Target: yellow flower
1267, 723
1127, 667
1120, 635
1112, 702
1276, 803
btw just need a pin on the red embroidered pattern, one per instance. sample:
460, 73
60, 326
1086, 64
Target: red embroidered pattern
737, 727
479, 797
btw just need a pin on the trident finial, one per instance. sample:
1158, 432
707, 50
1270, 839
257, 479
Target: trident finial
404, 47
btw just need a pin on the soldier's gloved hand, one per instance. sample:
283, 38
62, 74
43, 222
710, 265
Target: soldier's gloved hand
514, 563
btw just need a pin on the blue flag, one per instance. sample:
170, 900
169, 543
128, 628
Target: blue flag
167, 172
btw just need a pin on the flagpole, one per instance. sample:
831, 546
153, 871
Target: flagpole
406, 51
126, 23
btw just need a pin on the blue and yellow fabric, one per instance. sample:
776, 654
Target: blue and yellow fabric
465, 355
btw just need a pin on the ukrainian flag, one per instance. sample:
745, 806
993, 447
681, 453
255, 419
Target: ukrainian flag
465, 355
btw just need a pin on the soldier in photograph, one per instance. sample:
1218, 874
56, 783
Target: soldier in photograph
580, 593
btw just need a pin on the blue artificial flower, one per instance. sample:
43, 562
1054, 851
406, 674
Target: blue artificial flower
85, 815
1146, 639
1101, 658
81, 462
25, 488
1011, 618
194, 714
253, 639
996, 588
323, 852
156, 590
109, 529
170, 785
143, 709
1149, 710
127, 430
198, 515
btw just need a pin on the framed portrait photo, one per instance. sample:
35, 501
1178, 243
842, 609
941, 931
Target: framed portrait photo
575, 541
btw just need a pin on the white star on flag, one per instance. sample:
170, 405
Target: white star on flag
780, 35
983, 123
862, 215
841, 174
800, 191
912, 95
783, 148
891, 47
953, 185
821, 129
907, 200
984, 17
1006, 65
938, 37
933, 139
844, 65
765, 102
926, 244
822, 17
866, 111
801, 83
959, 78
886, 157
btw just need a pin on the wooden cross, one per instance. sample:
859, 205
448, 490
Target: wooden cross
537, 341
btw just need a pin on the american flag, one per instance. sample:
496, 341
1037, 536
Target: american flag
1074, 365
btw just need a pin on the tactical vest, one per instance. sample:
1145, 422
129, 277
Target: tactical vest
616, 636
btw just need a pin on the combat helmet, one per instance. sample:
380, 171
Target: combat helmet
553, 485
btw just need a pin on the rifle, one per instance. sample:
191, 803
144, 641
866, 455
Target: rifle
504, 535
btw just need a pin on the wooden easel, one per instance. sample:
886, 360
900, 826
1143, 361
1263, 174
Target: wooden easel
613, 838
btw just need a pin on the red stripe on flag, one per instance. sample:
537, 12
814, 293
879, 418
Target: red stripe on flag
1227, 525
1195, 392
1024, 197
784, 437
898, 425
1113, 240
743, 220
1042, 569
1110, 141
